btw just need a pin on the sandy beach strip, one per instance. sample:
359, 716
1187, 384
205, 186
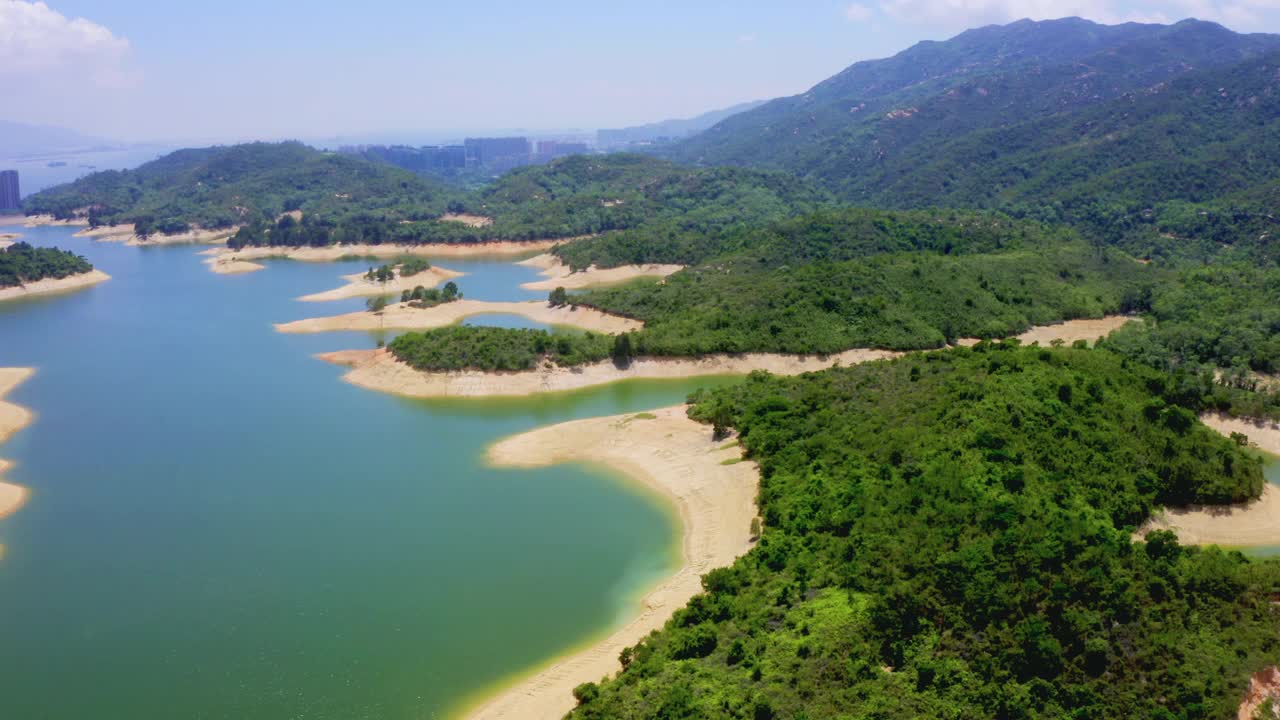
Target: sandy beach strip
38, 220
125, 234
13, 418
332, 253
53, 286
680, 460
358, 286
558, 274
382, 371
1089, 330
402, 316
1244, 524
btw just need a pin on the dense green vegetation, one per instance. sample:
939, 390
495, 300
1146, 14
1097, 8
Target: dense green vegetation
1162, 140
460, 347
948, 535
835, 280
250, 185
22, 263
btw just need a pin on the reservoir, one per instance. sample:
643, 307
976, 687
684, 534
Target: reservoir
219, 527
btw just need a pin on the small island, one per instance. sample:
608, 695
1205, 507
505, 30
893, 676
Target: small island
29, 271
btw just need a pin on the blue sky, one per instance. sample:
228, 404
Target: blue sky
236, 69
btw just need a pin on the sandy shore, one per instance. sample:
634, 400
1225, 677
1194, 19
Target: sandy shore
401, 316
1068, 332
12, 419
53, 286
673, 456
476, 221
558, 274
38, 220
358, 286
380, 370
125, 234
1262, 434
330, 253
1244, 524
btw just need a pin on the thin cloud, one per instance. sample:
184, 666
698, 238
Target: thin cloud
746, 38
857, 12
40, 43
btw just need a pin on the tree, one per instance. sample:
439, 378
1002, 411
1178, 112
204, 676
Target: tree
376, 304
450, 291
622, 350
558, 297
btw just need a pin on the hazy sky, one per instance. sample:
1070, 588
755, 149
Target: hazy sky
237, 69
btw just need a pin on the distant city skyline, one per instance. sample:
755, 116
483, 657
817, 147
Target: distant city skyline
134, 70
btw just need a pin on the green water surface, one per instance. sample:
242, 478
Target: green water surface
220, 528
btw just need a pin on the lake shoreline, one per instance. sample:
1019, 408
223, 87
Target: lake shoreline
380, 370
13, 417
402, 316
359, 286
239, 260
1256, 522
557, 274
679, 459
54, 286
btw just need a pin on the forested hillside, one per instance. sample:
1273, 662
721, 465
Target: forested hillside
1106, 127
947, 536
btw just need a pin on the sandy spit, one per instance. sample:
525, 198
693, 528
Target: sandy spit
558, 274
358, 286
125, 234
51, 286
12, 419
331, 253
677, 458
401, 316
380, 370
1243, 524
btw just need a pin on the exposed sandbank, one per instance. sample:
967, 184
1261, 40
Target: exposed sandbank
1243, 524
558, 274
358, 286
380, 370
679, 459
7, 239
13, 418
38, 220
467, 219
402, 316
1068, 332
51, 286
125, 234
331, 253
1263, 434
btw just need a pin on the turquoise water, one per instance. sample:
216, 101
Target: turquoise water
1271, 471
220, 528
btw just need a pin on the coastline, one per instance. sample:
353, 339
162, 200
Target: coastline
679, 459
53, 286
13, 418
38, 220
358, 286
1087, 329
331, 253
558, 274
1243, 524
125, 234
401, 316
380, 370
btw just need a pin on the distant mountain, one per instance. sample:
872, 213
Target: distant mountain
1049, 115
670, 129
22, 140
